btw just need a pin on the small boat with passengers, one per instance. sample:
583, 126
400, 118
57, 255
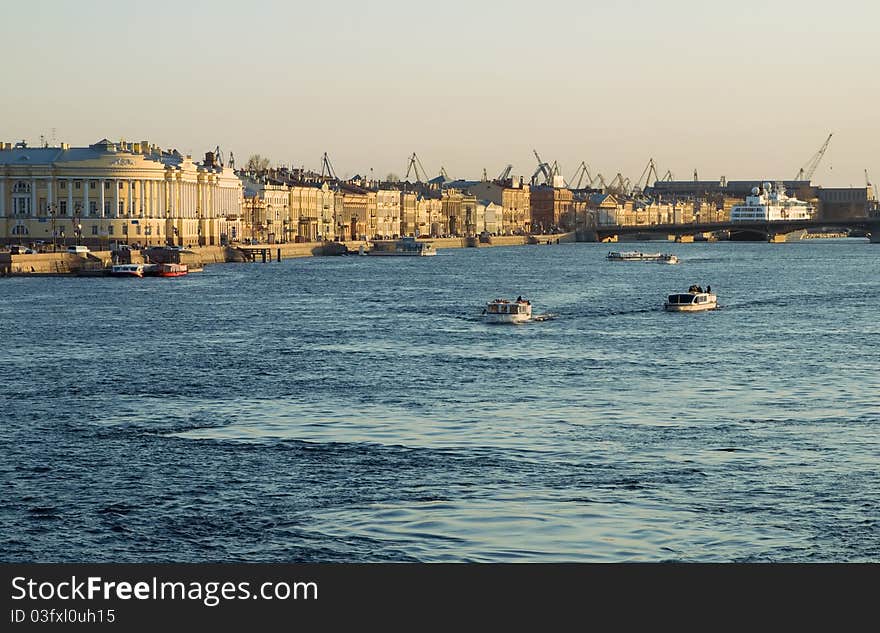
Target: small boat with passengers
504, 311
638, 256
694, 300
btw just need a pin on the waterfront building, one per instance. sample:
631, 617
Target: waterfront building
312, 212
551, 208
267, 209
605, 208
408, 212
106, 193
387, 213
489, 217
358, 211
429, 216
837, 203
513, 196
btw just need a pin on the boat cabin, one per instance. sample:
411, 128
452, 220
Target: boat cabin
501, 306
690, 298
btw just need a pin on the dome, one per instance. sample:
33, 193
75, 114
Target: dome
755, 191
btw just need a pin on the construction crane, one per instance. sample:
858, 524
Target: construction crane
504, 175
543, 169
327, 171
415, 165
806, 172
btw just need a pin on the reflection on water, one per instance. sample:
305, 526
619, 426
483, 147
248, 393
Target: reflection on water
360, 409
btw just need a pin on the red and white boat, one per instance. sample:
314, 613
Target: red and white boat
171, 270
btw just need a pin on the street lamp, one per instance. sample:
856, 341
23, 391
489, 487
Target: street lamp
53, 210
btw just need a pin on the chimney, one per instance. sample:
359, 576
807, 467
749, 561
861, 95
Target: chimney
209, 159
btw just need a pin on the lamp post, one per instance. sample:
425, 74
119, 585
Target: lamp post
53, 210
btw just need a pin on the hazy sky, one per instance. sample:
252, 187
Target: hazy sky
746, 89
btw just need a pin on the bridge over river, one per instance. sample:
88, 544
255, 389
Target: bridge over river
774, 231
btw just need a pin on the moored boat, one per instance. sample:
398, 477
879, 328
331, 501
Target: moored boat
405, 246
504, 311
127, 270
171, 270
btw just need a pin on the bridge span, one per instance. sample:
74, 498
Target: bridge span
772, 231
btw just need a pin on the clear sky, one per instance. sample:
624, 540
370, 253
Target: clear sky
745, 89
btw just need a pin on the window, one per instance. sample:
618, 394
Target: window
62, 207
106, 185
93, 207
92, 184
95, 230
63, 184
110, 230
77, 184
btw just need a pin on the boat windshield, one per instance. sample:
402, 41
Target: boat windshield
679, 298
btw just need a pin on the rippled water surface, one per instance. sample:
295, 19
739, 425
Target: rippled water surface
358, 409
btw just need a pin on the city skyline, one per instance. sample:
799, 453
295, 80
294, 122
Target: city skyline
748, 94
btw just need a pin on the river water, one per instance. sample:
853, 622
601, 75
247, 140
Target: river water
358, 409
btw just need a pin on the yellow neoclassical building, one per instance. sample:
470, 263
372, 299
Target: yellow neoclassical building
107, 193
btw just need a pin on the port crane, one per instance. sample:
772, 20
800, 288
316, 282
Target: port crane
414, 166
327, 171
806, 172
543, 169
504, 175
218, 156
650, 168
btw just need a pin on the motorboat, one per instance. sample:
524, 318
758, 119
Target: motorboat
638, 256
127, 270
694, 300
504, 311
170, 270
405, 247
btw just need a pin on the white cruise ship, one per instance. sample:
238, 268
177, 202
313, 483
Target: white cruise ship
770, 204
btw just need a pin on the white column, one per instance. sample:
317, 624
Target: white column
101, 212
85, 209
150, 207
130, 197
70, 197
50, 195
115, 213
2, 196
33, 213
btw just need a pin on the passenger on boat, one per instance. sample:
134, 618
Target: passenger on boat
519, 299
709, 289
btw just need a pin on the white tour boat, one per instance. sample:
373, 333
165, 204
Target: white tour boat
127, 270
694, 300
638, 256
405, 247
504, 311
770, 204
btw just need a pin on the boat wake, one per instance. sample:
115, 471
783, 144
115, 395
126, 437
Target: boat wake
545, 317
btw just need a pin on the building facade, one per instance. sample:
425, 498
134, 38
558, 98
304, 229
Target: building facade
514, 198
109, 193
